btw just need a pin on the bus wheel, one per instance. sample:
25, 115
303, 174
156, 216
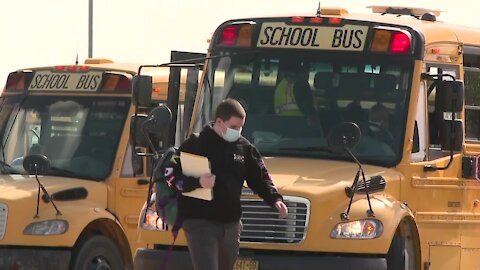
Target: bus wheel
401, 255
96, 253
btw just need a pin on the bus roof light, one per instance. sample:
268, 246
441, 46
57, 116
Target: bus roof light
245, 35
381, 40
332, 11
401, 42
111, 82
72, 68
98, 61
228, 36
15, 81
59, 68
116, 83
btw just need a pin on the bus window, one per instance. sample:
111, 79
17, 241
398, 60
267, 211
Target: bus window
472, 104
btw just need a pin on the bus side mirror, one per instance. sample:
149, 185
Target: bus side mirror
451, 95
142, 86
343, 137
150, 130
137, 137
158, 120
451, 135
36, 164
450, 98
157, 126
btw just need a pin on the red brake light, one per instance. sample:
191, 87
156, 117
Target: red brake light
84, 68
298, 19
124, 85
316, 20
335, 20
228, 36
72, 68
401, 42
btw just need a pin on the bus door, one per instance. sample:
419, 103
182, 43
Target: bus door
131, 189
182, 89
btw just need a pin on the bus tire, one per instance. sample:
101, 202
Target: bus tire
401, 254
396, 253
96, 252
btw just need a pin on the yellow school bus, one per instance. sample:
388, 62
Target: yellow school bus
379, 163
78, 208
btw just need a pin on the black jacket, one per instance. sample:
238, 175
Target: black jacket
231, 163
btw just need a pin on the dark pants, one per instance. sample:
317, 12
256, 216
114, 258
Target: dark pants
212, 245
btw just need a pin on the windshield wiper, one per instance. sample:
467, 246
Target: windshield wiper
5, 164
62, 172
6, 168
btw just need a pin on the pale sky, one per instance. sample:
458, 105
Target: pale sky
51, 32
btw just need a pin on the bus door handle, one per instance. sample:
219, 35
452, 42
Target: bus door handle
142, 182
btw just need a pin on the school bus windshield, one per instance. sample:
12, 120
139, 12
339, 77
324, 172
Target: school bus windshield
79, 135
294, 98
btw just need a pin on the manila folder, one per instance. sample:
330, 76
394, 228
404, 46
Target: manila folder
195, 166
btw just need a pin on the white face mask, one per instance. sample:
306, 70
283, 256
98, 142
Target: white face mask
231, 134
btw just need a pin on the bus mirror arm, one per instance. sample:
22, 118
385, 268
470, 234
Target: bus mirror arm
39, 164
350, 191
451, 95
428, 76
341, 139
453, 132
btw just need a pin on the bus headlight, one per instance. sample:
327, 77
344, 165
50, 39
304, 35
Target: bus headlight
47, 227
360, 229
151, 221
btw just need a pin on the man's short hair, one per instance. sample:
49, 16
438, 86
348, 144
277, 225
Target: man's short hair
228, 108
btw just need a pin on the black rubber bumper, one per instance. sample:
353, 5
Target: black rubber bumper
180, 260
34, 258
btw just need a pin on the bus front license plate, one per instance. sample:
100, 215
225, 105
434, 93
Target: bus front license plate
246, 264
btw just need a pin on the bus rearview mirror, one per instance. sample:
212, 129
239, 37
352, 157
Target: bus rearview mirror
451, 135
137, 137
451, 95
142, 86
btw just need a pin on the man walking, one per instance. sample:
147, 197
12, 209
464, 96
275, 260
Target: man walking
213, 227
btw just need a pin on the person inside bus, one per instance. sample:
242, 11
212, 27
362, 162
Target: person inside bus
355, 113
293, 95
378, 126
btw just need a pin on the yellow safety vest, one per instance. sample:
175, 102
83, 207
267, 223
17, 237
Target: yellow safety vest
284, 99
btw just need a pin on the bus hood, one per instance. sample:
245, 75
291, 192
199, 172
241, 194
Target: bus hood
25, 187
314, 176
315, 192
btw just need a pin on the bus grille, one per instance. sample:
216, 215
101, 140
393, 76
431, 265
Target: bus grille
3, 219
261, 223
